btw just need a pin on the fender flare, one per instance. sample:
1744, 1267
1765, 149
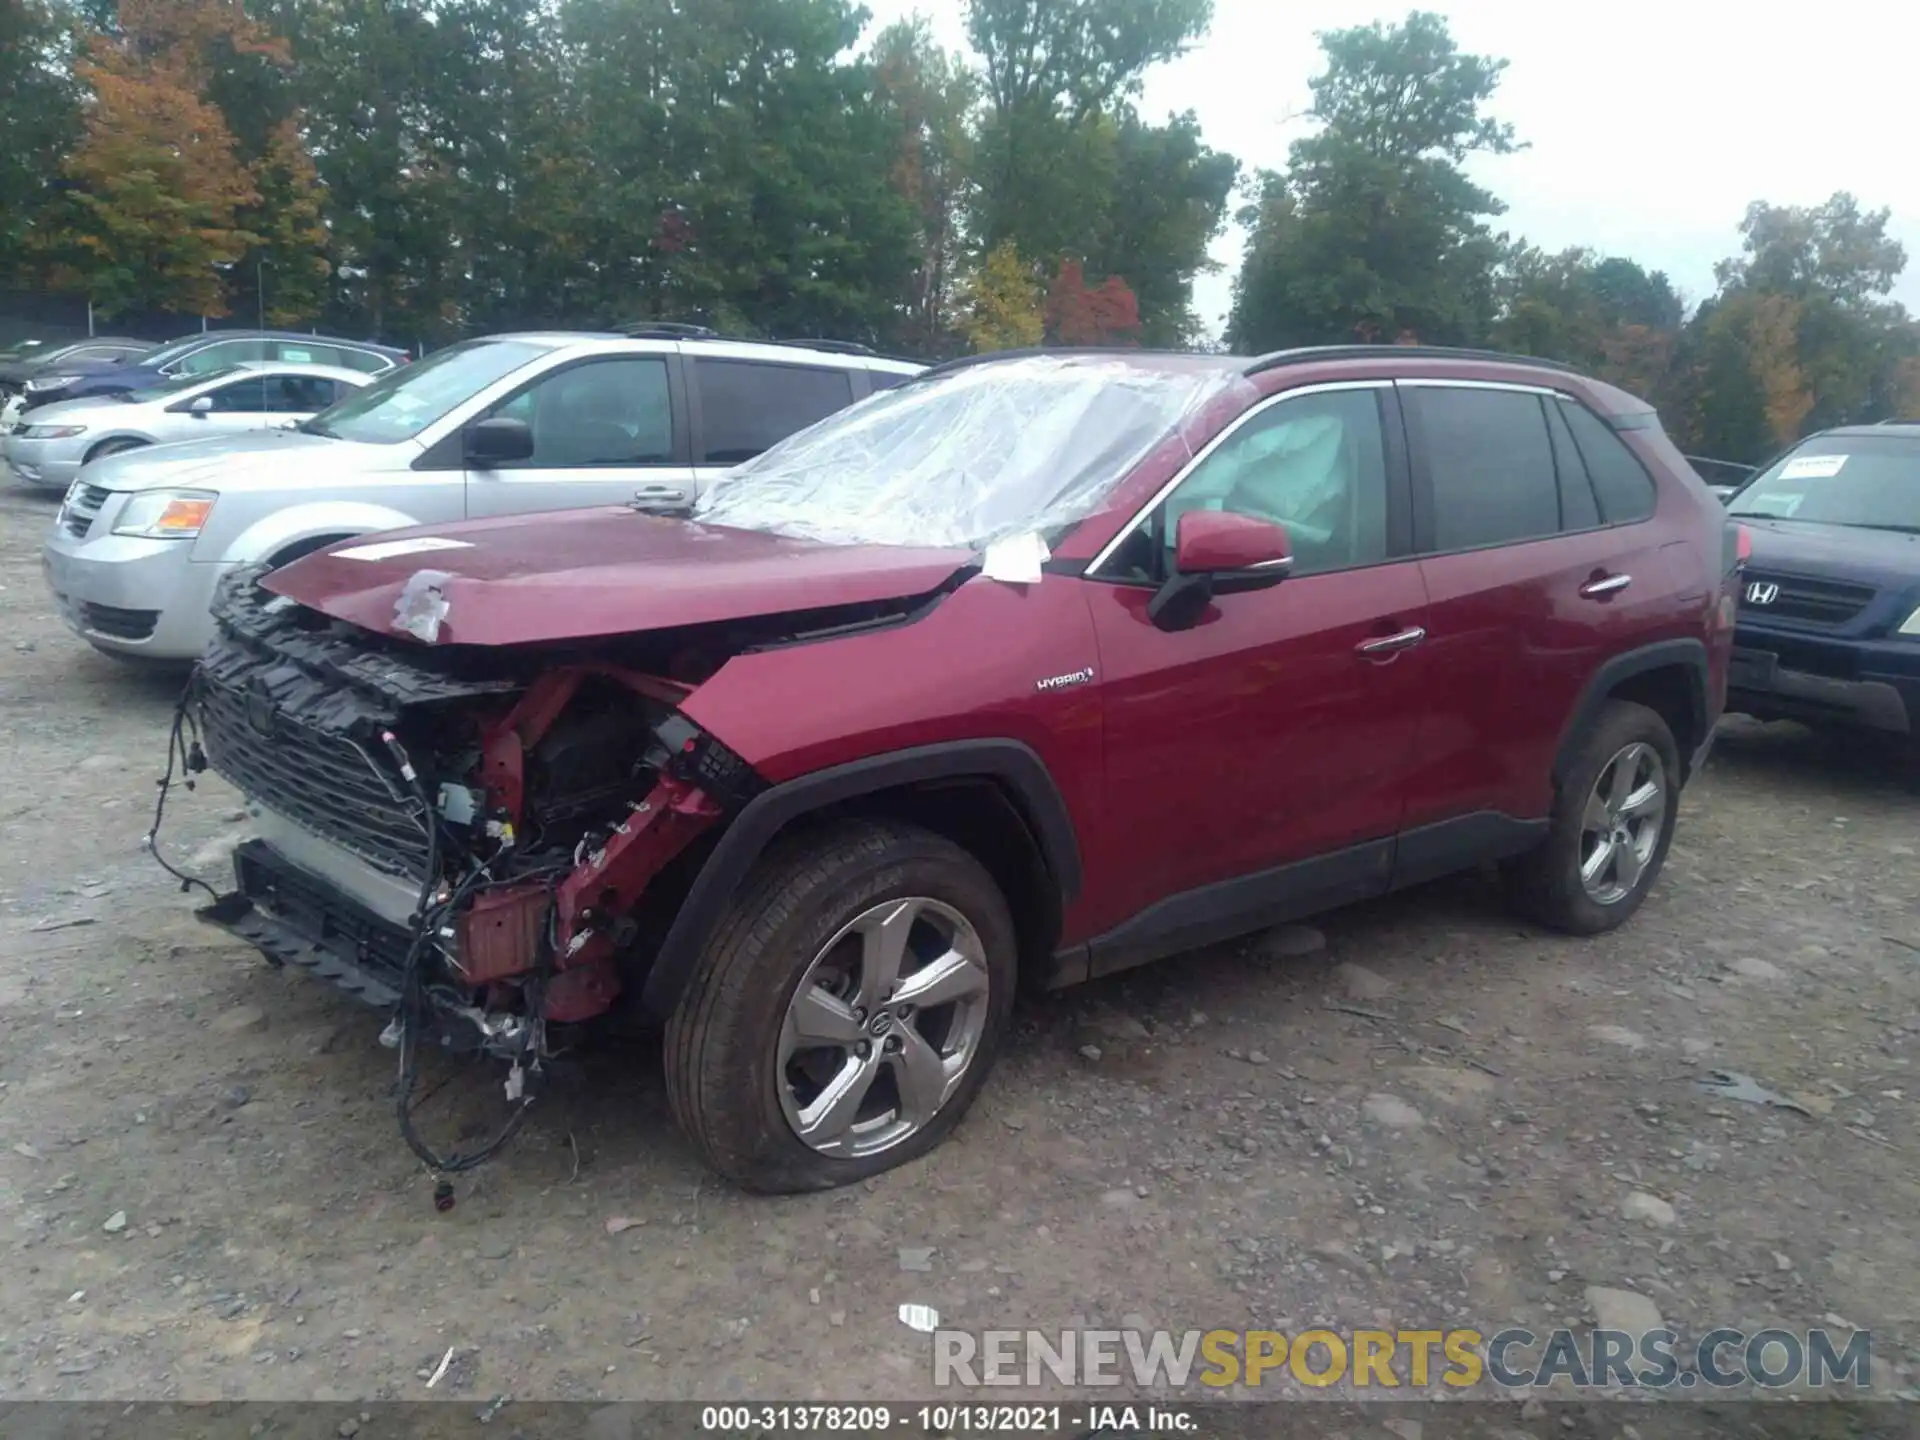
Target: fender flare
272, 533
1690, 655
1014, 766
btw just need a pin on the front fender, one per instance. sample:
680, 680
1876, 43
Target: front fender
269, 535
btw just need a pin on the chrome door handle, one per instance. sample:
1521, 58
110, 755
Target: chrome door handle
1391, 644
1610, 585
665, 496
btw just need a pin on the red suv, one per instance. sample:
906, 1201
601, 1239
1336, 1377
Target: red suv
1030, 670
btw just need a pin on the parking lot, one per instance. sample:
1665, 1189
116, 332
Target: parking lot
1420, 1114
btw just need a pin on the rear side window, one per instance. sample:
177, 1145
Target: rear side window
1620, 481
1491, 465
747, 407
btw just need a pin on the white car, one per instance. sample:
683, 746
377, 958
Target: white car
499, 426
48, 449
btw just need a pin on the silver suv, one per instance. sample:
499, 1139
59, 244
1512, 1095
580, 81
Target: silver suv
500, 426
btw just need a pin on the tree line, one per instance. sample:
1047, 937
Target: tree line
419, 170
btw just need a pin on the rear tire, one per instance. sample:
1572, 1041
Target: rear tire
741, 1076
1605, 841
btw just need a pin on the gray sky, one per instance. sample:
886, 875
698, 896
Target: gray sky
1650, 125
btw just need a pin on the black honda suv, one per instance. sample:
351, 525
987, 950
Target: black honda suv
1829, 620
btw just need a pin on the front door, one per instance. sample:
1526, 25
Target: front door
1270, 740
603, 430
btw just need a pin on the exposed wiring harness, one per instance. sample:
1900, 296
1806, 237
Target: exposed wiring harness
183, 750
429, 916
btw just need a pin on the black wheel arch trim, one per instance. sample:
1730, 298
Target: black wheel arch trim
1010, 763
1688, 654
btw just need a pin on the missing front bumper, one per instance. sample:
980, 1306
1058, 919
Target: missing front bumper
297, 918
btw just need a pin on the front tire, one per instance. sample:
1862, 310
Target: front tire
846, 1010
113, 447
1611, 826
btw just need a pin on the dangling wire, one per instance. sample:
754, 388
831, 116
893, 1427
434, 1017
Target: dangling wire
183, 749
428, 918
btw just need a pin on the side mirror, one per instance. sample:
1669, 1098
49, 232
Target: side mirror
1218, 553
1724, 493
497, 441
200, 406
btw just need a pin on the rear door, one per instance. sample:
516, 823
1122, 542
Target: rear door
742, 407
604, 428
1529, 588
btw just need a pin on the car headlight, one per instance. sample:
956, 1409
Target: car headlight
1911, 625
51, 432
166, 514
50, 382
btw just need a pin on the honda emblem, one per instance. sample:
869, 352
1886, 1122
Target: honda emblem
1762, 592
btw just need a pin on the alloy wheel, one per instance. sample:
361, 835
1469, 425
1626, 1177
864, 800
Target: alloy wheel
1620, 827
882, 1027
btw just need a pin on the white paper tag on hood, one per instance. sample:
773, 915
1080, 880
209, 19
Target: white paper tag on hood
1016, 560
387, 549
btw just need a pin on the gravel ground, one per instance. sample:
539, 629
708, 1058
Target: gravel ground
204, 1196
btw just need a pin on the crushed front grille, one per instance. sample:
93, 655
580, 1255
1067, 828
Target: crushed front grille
320, 780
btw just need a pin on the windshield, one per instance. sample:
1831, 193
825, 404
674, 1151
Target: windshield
406, 401
965, 458
1871, 481
174, 386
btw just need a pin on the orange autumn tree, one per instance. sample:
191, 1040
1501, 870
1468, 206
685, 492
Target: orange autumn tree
1077, 314
158, 186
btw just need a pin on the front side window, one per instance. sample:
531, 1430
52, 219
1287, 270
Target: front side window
242, 397
606, 412
298, 394
401, 404
746, 407
1869, 482
1490, 464
1315, 465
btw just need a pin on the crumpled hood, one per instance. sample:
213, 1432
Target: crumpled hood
254, 460
578, 574
1886, 559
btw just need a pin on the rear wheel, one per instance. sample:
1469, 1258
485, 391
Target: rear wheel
847, 1010
1611, 826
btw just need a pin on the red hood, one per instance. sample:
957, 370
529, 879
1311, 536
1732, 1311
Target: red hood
575, 574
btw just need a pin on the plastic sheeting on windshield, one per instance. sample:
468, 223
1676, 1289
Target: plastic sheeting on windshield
987, 452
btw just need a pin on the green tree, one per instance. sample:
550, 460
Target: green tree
1611, 316
1375, 231
40, 120
929, 97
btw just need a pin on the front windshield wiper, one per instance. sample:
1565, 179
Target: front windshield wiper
314, 427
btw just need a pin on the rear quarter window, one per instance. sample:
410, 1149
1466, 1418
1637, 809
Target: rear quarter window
1620, 482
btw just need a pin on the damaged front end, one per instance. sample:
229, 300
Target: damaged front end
466, 838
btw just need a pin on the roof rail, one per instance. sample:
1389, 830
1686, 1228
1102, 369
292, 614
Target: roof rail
1303, 354
667, 330
831, 347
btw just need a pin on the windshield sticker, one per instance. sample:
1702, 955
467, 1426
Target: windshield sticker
387, 549
1813, 467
